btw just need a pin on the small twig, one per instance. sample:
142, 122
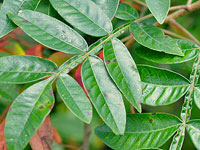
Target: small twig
132, 109
186, 32
189, 2
127, 38
86, 142
130, 42
179, 7
144, 18
174, 34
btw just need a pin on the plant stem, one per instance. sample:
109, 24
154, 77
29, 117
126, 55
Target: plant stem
174, 34
86, 142
186, 32
189, 2
139, 2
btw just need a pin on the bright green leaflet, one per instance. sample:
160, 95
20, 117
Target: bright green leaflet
85, 15
123, 71
71, 63
27, 113
159, 9
23, 69
189, 49
153, 38
109, 7
142, 131
126, 12
162, 86
197, 96
193, 128
104, 94
50, 32
10, 6
178, 139
74, 97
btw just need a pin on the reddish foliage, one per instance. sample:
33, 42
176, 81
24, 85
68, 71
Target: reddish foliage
2, 137
56, 136
35, 51
101, 55
43, 138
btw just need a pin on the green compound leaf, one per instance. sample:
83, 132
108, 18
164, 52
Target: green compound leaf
50, 32
178, 139
27, 113
123, 71
153, 38
71, 63
24, 69
126, 12
109, 7
10, 6
159, 9
193, 128
162, 86
142, 131
85, 15
197, 95
104, 94
189, 49
74, 97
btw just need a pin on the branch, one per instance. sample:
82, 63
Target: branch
186, 32
174, 34
86, 142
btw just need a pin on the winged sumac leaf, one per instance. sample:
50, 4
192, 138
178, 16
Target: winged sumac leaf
159, 8
142, 131
126, 12
50, 32
27, 113
104, 94
43, 138
74, 97
84, 15
189, 49
162, 86
193, 128
109, 7
123, 71
23, 69
153, 38
13, 7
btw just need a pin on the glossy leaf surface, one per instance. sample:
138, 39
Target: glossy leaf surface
189, 49
27, 113
84, 15
126, 12
123, 71
197, 96
23, 69
162, 86
109, 7
74, 97
153, 38
142, 131
193, 128
71, 63
104, 94
159, 8
10, 6
50, 32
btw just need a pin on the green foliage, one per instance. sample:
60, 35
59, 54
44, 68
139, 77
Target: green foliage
109, 84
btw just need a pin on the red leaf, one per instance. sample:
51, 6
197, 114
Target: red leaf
2, 137
35, 51
56, 136
43, 138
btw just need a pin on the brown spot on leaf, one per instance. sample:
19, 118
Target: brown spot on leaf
107, 61
88, 90
51, 107
41, 107
10, 110
51, 93
153, 113
114, 60
24, 21
151, 120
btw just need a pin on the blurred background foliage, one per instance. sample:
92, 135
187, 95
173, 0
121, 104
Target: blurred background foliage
69, 130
